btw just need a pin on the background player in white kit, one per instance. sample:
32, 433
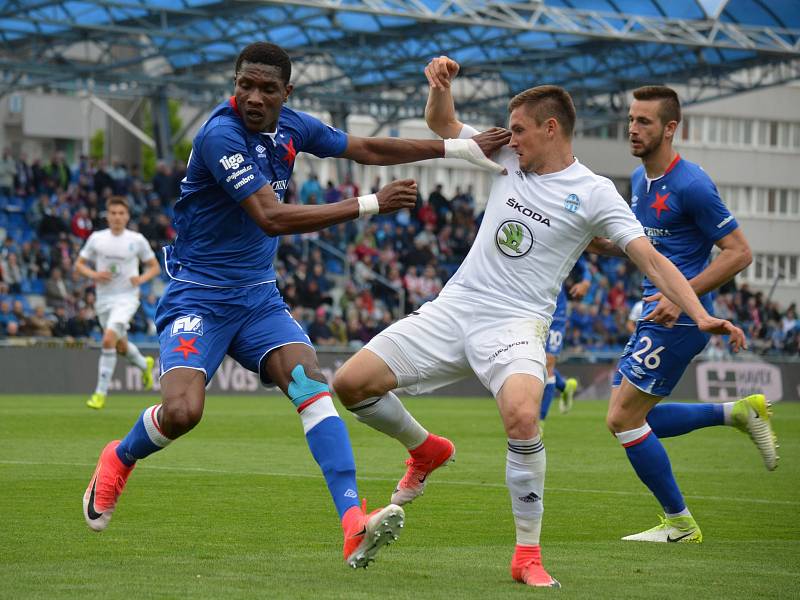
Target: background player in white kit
117, 253
492, 317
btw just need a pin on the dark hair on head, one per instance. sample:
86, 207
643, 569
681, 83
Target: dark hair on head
118, 200
670, 107
266, 53
547, 102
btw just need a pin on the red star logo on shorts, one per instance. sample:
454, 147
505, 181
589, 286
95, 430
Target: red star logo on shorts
290, 152
660, 204
187, 347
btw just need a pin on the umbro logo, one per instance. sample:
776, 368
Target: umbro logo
261, 149
350, 493
532, 497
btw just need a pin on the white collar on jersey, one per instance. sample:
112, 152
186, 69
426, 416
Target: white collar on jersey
271, 135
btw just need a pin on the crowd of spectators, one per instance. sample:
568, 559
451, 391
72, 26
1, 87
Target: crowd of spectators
343, 284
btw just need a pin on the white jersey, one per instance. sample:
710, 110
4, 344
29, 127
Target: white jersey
120, 255
534, 229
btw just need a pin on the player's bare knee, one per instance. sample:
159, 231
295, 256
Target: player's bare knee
180, 413
109, 340
618, 419
521, 423
347, 386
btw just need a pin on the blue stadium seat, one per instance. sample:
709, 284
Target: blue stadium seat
37, 286
334, 266
17, 219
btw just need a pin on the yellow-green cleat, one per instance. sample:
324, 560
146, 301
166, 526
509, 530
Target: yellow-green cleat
751, 415
147, 374
567, 397
670, 530
97, 401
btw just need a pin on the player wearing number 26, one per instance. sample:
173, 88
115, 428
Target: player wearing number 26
684, 217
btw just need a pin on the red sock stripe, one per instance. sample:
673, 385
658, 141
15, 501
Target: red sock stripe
311, 401
154, 420
638, 440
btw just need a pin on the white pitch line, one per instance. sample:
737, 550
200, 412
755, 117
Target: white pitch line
394, 479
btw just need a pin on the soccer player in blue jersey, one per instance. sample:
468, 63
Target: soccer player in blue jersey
555, 341
684, 217
223, 299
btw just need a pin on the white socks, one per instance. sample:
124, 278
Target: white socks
388, 415
318, 411
135, 357
525, 467
105, 370
727, 412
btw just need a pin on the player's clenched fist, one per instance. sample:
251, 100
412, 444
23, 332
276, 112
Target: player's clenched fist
441, 71
397, 195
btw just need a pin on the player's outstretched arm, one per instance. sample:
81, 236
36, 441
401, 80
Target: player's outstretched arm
440, 110
275, 218
674, 286
397, 151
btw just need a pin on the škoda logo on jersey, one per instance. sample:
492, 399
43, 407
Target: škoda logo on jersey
188, 324
514, 238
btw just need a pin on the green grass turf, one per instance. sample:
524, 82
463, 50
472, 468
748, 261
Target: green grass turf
238, 509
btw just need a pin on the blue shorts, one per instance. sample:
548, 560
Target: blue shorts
555, 339
197, 326
656, 357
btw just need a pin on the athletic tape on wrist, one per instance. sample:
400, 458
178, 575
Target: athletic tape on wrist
368, 205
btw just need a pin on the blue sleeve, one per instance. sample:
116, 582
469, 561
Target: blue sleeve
320, 139
583, 265
224, 153
712, 217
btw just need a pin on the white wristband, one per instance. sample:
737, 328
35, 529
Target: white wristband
368, 205
468, 149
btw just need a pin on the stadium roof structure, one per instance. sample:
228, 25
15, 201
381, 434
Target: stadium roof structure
367, 56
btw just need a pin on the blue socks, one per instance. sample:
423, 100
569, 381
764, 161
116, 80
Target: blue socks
669, 420
330, 446
560, 383
547, 398
144, 438
327, 438
651, 463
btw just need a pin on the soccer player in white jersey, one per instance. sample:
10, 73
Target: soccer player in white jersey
492, 317
116, 253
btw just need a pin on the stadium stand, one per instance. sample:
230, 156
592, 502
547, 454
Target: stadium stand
343, 284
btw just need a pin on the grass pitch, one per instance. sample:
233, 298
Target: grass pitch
238, 509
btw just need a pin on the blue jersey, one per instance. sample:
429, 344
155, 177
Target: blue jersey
682, 215
560, 312
218, 244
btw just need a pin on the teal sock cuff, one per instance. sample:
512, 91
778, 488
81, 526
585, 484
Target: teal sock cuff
301, 388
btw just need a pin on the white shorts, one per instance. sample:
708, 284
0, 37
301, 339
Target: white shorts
116, 313
442, 341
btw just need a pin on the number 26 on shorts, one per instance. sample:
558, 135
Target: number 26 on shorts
643, 355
